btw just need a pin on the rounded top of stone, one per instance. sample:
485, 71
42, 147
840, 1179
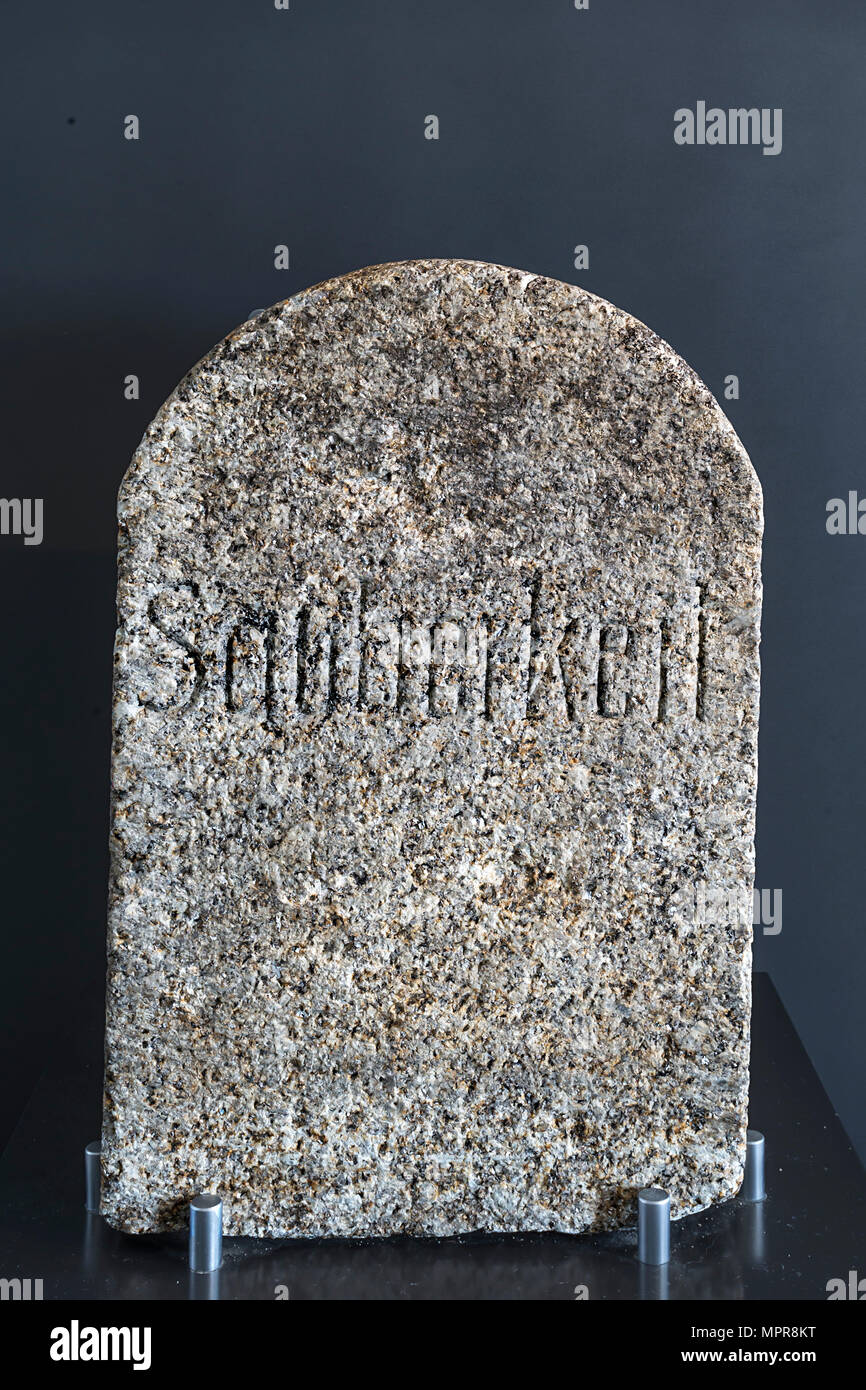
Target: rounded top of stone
448, 395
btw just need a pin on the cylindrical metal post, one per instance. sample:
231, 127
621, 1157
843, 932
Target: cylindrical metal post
653, 1226
93, 1175
205, 1233
204, 1288
653, 1283
753, 1189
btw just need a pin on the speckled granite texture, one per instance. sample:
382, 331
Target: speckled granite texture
435, 714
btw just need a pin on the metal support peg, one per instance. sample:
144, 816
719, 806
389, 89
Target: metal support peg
653, 1226
205, 1233
753, 1189
93, 1175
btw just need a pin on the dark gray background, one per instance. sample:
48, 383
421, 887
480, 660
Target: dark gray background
305, 127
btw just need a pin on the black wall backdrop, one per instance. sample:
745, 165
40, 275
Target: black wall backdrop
305, 127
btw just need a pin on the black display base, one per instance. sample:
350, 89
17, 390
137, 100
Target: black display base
809, 1231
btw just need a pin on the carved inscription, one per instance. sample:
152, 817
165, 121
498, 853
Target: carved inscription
315, 658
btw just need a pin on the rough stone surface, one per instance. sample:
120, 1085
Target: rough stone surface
435, 728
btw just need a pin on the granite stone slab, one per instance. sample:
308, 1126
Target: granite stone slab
434, 771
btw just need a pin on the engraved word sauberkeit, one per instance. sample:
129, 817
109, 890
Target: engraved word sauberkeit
343, 652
